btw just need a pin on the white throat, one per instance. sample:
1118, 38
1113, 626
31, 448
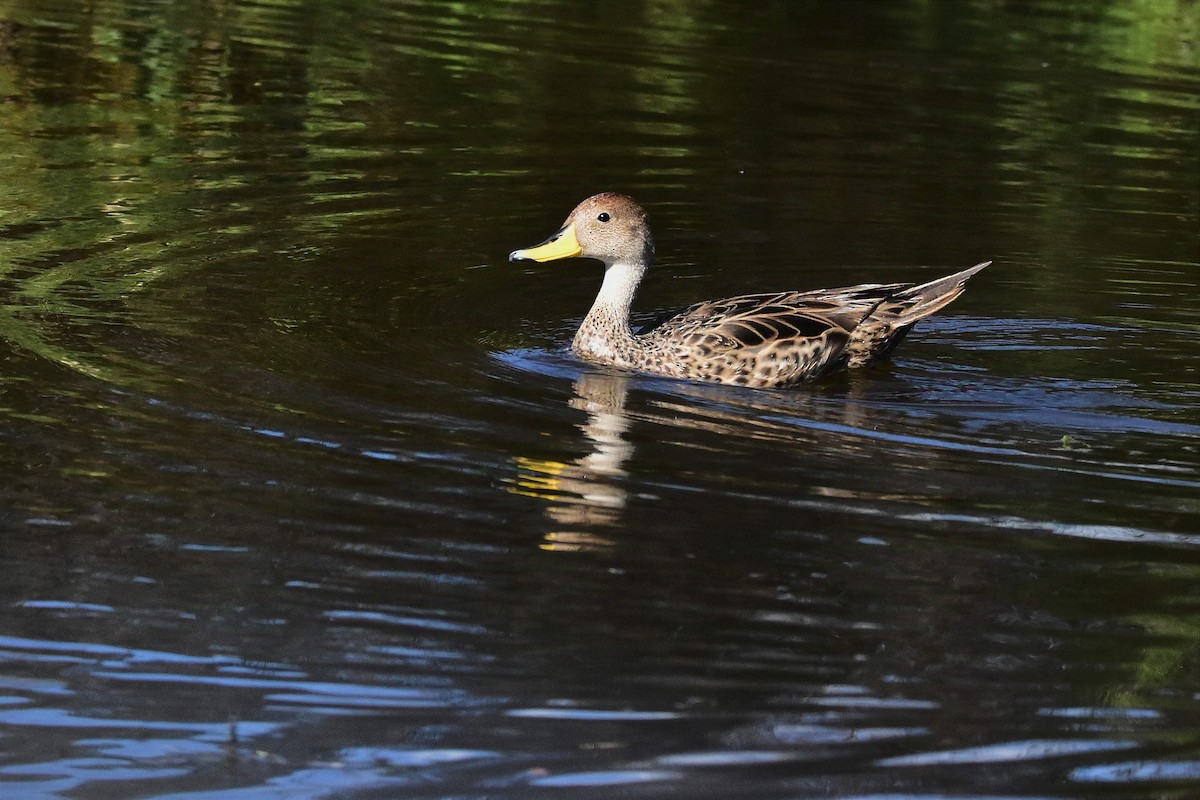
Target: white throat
620, 285
605, 334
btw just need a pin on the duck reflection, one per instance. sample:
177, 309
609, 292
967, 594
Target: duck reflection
837, 425
587, 493
587, 498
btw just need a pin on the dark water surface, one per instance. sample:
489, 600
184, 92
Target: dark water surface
302, 496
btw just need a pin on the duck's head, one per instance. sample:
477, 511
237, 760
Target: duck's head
610, 227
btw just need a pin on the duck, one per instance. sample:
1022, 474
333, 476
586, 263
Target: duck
768, 340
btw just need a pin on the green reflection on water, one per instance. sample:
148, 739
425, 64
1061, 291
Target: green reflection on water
145, 142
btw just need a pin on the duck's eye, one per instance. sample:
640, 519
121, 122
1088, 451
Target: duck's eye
604, 217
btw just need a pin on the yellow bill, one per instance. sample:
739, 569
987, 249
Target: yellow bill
561, 245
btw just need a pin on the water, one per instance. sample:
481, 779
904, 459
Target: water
303, 495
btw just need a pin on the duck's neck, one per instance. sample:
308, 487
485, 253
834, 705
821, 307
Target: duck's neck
605, 334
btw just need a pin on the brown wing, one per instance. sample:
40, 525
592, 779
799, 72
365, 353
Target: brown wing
777, 339
754, 320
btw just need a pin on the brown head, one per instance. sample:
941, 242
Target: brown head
608, 226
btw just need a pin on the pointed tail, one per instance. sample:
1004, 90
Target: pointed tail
929, 297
